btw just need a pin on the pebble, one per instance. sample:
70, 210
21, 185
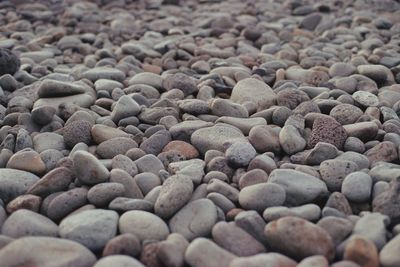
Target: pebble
14, 183
195, 219
102, 194
240, 154
125, 107
236, 240
61, 204
216, 256
388, 256
373, 227
118, 261
357, 187
77, 132
29, 161
124, 244
362, 251
54, 181
144, 225
328, 131
30, 249
115, 146
28, 223
300, 188
264, 259
89, 169
291, 140
9, 63
175, 192
91, 228
299, 238
334, 171
260, 196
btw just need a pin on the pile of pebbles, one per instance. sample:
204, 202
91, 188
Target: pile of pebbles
202, 133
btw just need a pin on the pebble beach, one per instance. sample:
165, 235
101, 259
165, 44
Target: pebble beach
200, 133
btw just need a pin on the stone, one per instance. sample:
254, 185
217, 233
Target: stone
9, 62
255, 91
88, 169
97, 73
387, 202
102, 194
317, 260
362, 251
217, 137
14, 183
365, 99
115, 146
338, 228
184, 148
61, 204
264, 139
301, 188
236, 240
216, 256
264, 259
118, 261
175, 192
44, 141
357, 187
180, 81
195, 219
334, 171
29, 161
291, 140
143, 224
378, 73
156, 142
385, 151
372, 226
260, 196
341, 69
328, 131
240, 154
365, 131
91, 228
299, 238
124, 244
125, 107
53, 88
252, 223
77, 132
28, 223
29, 250
101, 133
54, 181
346, 113
27, 201
388, 256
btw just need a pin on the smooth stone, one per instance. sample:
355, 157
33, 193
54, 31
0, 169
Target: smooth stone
236, 240
264, 139
359, 159
240, 154
389, 256
195, 219
107, 85
115, 146
309, 212
9, 63
91, 228
148, 78
217, 137
184, 148
301, 188
258, 197
149, 163
346, 113
83, 100
321, 152
291, 140
385, 151
143, 224
28, 223
338, 228
14, 183
101, 133
244, 124
97, 73
53, 88
373, 227
388, 202
182, 82
224, 107
125, 107
122, 204
341, 69
44, 141
175, 192
255, 91
264, 259
299, 238
28, 201
252, 223
102, 194
124, 244
216, 256
63, 203
378, 73
56, 180
29, 161
29, 250
357, 187
43, 115
118, 261
184, 130
88, 169
156, 142
362, 251
312, 261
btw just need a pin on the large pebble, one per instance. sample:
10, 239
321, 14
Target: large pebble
14, 183
143, 224
261, 196
91, 228
89, 169
299, 238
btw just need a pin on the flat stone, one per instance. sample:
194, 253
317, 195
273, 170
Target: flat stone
29, 161
44, 141
54, 181
115, 146
53, 88
97, 73
261, 196
101, 133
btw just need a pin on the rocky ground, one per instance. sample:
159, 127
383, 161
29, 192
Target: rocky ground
239, 133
